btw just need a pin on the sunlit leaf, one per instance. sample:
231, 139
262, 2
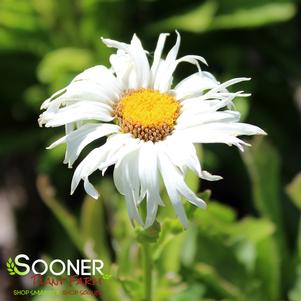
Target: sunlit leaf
262, 162
294, 190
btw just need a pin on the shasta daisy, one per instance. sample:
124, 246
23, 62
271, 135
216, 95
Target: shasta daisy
151, 126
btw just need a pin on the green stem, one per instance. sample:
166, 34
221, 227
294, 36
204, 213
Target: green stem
148, 272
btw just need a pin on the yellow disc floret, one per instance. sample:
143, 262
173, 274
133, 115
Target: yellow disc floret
147, 114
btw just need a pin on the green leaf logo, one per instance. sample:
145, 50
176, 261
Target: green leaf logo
10, 265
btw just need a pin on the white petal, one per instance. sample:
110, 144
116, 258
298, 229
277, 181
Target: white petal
157, 55
95, 158
148, 174
166, 81
195, 84
126, 179
164, 65
124, 69
88, 110
209, 177
94, 84
220, 133
138, 56
80, 138
179, 182
172, 54
173, 194
183, 154
175, 185
90, 189
195, 118
222, 87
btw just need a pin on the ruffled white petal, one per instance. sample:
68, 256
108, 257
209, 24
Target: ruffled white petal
123, 67
94, 84
138, 56
219, 132
84, 110
175, 184
165, 64
100, 158
183, 155
77, 140
157, 56
148, 174
195, 118
127, 182
195, 84
166, 79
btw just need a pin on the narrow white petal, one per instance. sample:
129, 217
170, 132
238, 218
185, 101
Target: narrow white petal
220, 133
209, 177
182, 154
123, 68
94, 84
178, 180
166, 80
158, 54
90, 189
195, 84
95, 158
194, 118
89, 110
139, 59
141, 62
173, 194
148, 174
164, 66
126, 179
172, 54
80, 138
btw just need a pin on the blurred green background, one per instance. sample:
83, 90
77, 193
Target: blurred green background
247, 245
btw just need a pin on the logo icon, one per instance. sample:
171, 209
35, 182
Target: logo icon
10, 265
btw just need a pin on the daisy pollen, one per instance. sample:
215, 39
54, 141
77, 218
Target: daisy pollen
147, 114
150, 124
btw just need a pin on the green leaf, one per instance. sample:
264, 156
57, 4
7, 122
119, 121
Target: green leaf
133, 288
93, 233
196, 20
149, 235
67, 219
254, 14
262, 162
295, 293
294, 190
194, 292
209, 276
268, 268
242, 105
213, 15
59, 66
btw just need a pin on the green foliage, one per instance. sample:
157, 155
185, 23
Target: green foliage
213, 15
294, 190
262, 162
226, 254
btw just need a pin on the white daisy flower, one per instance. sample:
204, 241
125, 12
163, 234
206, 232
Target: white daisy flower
151, 125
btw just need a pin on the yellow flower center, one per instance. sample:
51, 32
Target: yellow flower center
147, 114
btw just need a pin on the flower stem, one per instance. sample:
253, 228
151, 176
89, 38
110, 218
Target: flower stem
148, 271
